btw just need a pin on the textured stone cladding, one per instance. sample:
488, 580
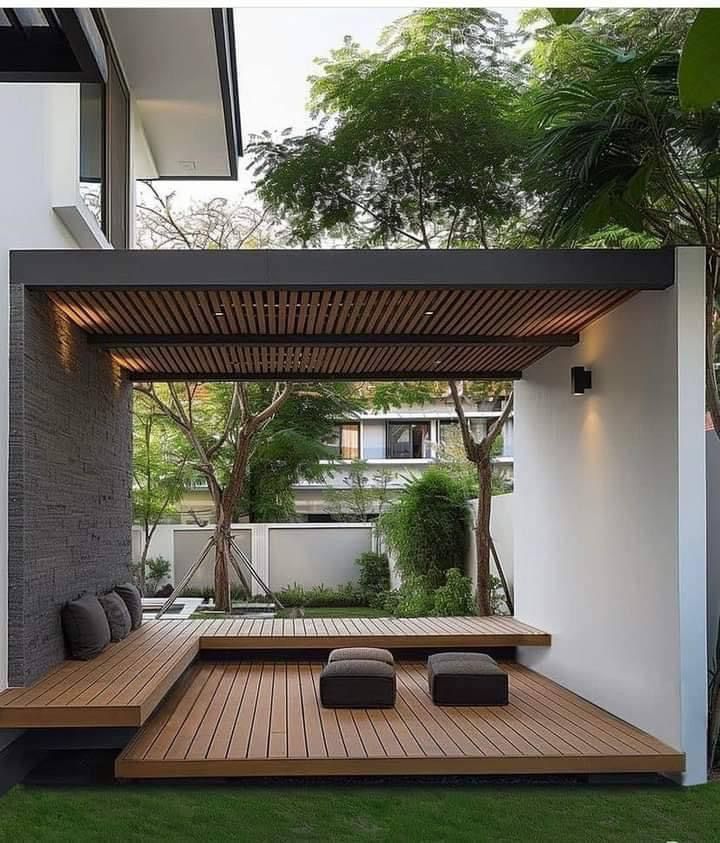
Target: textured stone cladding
70, 468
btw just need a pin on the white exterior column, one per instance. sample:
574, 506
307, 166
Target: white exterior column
691, 535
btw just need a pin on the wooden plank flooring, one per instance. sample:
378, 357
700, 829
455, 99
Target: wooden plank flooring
265, 719
123, 685
321, 633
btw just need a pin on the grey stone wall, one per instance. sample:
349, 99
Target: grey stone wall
69, 478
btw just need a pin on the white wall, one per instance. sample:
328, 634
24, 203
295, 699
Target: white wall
38, 123
282, 554
609, 513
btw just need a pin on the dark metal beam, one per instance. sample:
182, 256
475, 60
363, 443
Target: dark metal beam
330, 340
318, 269
305, 377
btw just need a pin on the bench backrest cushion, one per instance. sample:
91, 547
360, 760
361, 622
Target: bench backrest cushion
117, 614
130, 593
86, 627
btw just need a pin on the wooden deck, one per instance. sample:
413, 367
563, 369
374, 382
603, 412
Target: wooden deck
124, 685
393, 633
264, 719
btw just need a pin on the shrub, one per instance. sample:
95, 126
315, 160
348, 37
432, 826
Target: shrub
455, 597
319, 596
156, 569
415, 599
374, 575
427, 529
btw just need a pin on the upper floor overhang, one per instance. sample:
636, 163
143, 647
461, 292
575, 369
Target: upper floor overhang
179, 65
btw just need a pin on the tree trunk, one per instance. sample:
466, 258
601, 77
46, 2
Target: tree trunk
223, 603
482, 535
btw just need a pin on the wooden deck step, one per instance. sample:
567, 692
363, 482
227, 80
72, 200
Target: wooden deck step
265, 719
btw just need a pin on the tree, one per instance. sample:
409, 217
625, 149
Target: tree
223, 424
159, 471
480, 454
413, 148
365, 495
218, 223
612, 145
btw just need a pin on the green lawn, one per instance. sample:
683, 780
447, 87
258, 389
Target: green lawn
338, 612
257, 812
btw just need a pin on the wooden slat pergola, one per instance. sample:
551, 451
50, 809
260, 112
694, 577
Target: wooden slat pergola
336, 314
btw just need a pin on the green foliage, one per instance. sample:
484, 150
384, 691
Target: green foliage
699, 74
427, 528
345, 595
156, 569
374, 575
159, 469
415, 598
366, 493
455, 597
412, 147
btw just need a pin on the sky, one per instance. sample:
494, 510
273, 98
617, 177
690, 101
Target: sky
276, 48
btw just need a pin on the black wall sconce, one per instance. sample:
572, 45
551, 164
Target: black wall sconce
580, 380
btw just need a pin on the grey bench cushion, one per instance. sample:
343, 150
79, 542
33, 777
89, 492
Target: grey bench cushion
363, 653
466, 679
357, 683
86, 627
130, 593
117, 614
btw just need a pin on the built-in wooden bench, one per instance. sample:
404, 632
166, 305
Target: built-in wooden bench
124, 685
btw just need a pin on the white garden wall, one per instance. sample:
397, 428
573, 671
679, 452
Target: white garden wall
501, 530
609, 513
283, 554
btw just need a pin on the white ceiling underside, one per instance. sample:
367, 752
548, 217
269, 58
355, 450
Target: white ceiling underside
170, 60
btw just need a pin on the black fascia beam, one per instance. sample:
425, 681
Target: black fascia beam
345, 269
305, 377
329, 340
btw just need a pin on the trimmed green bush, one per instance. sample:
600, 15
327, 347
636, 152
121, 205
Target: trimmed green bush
427, 529
455, 597
320, 596
374, 575
415, 598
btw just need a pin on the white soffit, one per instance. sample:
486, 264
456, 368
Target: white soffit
170, 59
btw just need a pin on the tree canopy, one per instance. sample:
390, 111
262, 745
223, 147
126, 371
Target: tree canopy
413, 148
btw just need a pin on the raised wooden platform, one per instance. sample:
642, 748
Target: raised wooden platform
124, 685
393, 633
264, 719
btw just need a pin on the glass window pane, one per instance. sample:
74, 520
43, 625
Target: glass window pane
399, 444
92, 140
350, 441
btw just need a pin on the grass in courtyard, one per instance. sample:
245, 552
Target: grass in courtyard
262, 812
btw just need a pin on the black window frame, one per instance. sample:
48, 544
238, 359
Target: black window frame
410, 424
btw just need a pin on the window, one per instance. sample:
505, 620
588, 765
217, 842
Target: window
92, 148
105, 149
450, 428
345, 441
408, 440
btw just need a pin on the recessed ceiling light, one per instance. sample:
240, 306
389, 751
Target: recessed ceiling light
429, 313
219, 312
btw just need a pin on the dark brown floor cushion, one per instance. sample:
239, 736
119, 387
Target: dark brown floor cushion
133, 600
357, 683
117, 614
466, 679
375, 654
86, 627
